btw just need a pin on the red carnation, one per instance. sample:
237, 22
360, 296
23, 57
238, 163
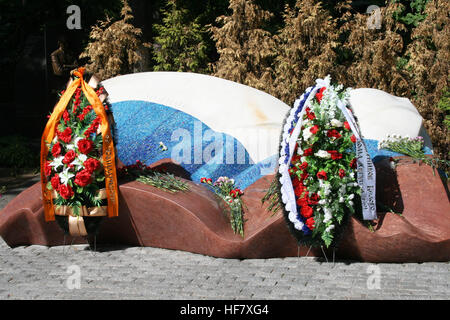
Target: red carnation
47, 168
322, 175
308, 152
319, 94
65, 191
91, 164
66, 135
353, 138
346, 125
83, 178
310, 223
314, 199
303, 201
69, 157
311, 115
299, 190
341, 173
353, 164
334, 154
304, 176
56, 150
306, 211
295, 182
333, 134
295, 158
85, 146
55, 182
304, 165
292, 171
314, 129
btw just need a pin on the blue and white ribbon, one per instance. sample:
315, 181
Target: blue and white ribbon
365, 167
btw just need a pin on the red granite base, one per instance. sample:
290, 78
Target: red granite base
194, 221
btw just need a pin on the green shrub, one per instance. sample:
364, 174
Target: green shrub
17, 153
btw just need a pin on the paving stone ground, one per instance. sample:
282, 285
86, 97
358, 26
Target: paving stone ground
77, 272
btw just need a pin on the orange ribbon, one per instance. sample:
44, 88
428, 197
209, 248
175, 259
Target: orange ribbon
108, 146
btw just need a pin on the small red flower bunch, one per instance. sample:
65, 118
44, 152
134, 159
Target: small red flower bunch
225, 188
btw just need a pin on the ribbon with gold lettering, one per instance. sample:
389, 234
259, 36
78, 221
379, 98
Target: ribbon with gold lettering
108, 146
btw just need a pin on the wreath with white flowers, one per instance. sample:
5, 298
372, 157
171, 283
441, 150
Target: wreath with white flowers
325, 172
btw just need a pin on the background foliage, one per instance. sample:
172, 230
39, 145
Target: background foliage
278, 46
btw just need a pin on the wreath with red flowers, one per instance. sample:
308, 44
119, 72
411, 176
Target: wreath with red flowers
74, 168
318, 179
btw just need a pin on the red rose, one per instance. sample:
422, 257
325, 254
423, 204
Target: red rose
353, 164
91, 164
65, 191
47, 168
341, 173
314, 129
333, 134
85, 146
346, 125
56, 150
66, 135
310, 223
308, 152
311, 115
55, 182
322, 175
334, 154
353, 138
69, 157
83, 178
319, 94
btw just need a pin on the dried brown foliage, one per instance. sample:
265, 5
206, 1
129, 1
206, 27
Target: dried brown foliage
313, 43
305, 49
375, 53
429, 67
245, 48
115, 46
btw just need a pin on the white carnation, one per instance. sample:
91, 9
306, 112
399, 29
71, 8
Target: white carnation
307, 134
322, 154
336, 123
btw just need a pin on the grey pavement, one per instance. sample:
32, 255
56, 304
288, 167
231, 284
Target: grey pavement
77, 272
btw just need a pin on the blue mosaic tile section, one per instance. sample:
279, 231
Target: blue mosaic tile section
141, 126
